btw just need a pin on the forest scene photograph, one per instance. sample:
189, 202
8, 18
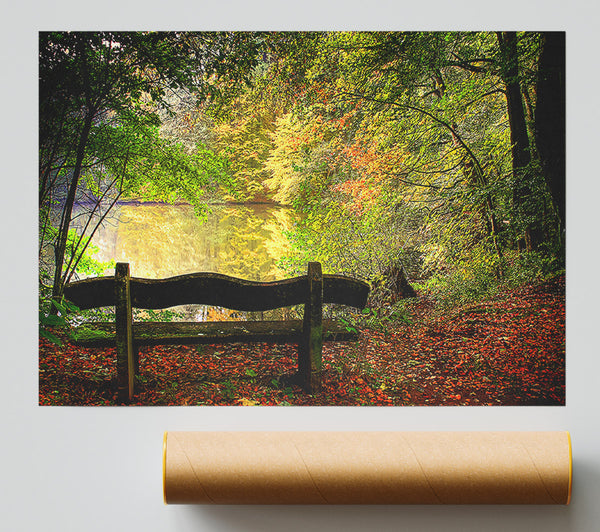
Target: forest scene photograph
335, 218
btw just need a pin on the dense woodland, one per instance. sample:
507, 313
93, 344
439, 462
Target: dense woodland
431, 164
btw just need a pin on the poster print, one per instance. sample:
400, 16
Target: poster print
302, 218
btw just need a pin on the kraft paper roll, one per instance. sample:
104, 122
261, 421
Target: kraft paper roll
367, 468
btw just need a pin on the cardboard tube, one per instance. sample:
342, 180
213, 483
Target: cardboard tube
367, 468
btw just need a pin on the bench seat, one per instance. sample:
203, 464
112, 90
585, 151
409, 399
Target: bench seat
103, 334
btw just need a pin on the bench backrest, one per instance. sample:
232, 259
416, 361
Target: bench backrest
216, 290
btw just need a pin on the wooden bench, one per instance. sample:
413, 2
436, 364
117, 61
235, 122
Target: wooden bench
125, 292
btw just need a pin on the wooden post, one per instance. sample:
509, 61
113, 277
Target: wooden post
310, 350
124, 336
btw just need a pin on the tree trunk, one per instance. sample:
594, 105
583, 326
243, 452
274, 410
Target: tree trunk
550, 120
523, 201
530, 118
63, 232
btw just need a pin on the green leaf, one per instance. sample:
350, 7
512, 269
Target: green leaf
51, 320
49, 336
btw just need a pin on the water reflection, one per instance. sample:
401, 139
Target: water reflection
160, 241
164, 240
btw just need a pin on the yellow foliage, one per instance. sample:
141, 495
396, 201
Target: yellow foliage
247, 402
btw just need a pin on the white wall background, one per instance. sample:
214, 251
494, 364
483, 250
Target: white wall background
97, 469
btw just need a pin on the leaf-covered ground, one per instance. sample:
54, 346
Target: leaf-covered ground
506, 351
